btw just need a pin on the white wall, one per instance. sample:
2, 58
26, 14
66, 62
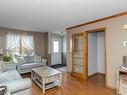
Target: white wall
92, 53
100, 52
2, 41
64, 43
96, 53
115, 36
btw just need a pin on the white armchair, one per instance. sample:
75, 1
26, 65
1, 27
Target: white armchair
15, 83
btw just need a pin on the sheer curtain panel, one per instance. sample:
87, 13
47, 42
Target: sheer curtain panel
28, 41
12, 40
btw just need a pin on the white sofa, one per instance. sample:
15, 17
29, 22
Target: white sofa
27, 65
16, 85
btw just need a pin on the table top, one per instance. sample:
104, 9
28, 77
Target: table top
46, 71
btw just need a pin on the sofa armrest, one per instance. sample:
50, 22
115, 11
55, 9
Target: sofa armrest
37, 59
44, 61
19, 67
17, 85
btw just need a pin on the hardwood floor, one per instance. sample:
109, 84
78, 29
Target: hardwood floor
74, 86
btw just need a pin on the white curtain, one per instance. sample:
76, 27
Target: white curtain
28, 41
12, 40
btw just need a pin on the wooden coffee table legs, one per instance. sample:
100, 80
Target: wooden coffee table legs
43, 85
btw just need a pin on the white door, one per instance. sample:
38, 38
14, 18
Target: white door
56, 51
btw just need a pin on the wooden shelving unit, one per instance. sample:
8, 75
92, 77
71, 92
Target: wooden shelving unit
79, 55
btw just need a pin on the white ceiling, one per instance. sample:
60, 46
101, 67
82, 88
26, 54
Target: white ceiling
55, 15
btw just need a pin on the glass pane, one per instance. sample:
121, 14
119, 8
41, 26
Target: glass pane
55, 46
78, 69
78, 54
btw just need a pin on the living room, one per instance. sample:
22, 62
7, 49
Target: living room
63, 47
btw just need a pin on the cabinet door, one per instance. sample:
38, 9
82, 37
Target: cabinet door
79, 55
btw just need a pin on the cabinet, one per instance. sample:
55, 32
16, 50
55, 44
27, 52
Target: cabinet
79, 55
122, 81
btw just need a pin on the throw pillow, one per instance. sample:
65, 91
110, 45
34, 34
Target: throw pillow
19, 58
26, 59
31, 58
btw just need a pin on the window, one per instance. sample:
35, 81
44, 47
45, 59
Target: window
20, 44
55, 46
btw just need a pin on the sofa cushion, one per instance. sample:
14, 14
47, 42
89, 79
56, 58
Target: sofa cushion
30, 65
17, 85
31, 59
9, 76
37, 59
19, 58
28, 59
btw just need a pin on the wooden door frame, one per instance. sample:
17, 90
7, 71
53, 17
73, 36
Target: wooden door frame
79, 75
95, 31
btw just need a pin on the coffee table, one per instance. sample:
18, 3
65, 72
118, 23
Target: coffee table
46, 77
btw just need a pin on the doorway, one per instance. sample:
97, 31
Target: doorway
96, 56
56, 51
97, 53
94, 62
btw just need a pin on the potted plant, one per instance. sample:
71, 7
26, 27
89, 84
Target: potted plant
7, 57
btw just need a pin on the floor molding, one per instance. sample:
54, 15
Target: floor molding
97, 73
110, 87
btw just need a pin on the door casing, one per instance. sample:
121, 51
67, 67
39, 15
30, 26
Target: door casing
96, 30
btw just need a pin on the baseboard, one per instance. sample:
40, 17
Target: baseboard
100, 73
113, 88
97, 73
92, 75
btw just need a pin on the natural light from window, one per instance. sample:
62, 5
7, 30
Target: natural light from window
55, 46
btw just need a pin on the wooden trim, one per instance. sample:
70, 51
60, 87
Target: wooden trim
96, 30
86, 53
97, 73
78, 34
98, 20
111, 87
105, 45
92, 75
83, 75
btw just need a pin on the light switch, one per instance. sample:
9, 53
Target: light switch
125, 43
125, 27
